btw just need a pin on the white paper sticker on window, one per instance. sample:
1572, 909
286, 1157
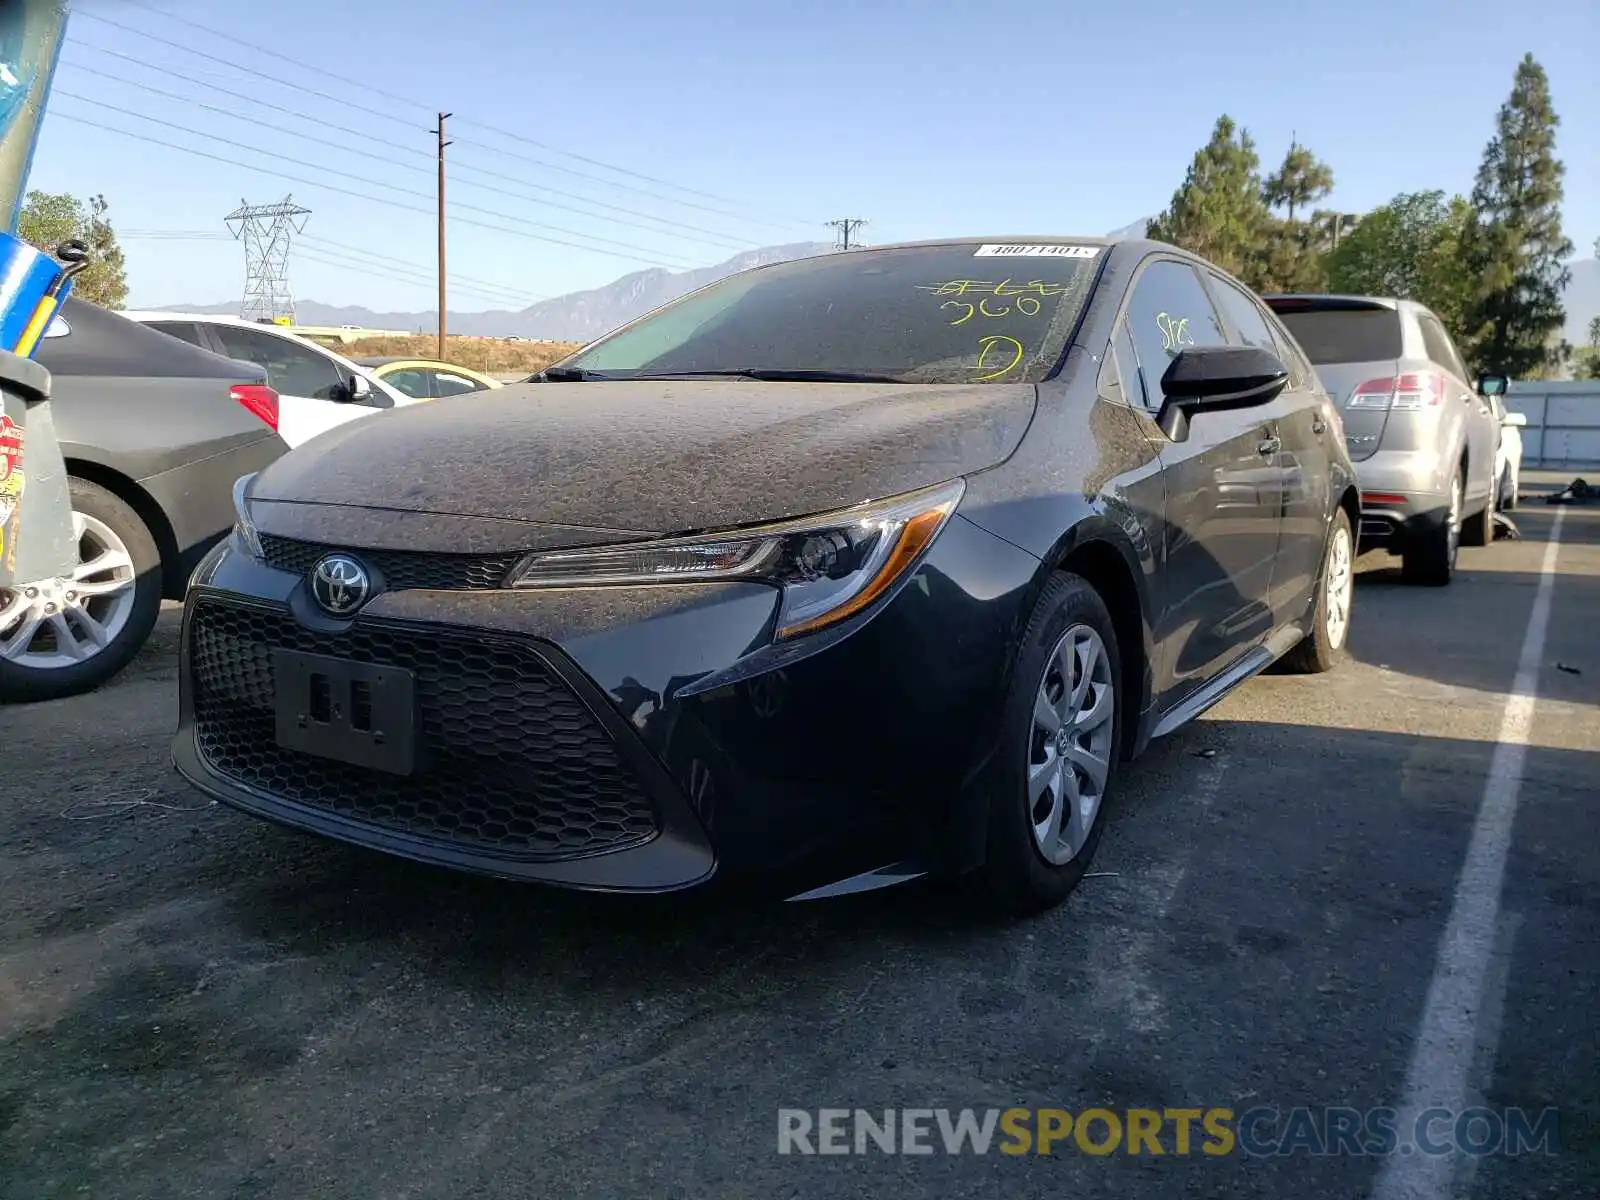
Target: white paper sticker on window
1047, 251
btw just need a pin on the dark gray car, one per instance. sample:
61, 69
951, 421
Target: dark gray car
838, 570
154, 433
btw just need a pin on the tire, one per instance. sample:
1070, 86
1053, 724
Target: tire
1325, 646
1431, 560
1018, 874
1508, 499
1478, 529
38, 671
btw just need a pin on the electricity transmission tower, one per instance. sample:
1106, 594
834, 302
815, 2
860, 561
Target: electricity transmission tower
846, 226
266, 231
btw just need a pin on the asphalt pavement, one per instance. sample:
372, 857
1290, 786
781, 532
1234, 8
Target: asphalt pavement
1376, 888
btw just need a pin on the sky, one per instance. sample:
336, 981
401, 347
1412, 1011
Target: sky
592, 140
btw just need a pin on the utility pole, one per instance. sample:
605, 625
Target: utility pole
846, 226
439, 132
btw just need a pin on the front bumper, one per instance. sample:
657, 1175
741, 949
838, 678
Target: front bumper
622, 739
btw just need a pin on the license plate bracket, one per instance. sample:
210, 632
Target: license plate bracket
364, 714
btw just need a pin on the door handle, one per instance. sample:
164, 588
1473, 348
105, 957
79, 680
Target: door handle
1269, 445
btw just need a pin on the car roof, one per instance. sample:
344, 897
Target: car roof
384, 362
1339, 300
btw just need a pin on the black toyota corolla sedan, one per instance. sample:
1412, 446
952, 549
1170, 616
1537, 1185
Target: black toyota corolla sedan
839, 571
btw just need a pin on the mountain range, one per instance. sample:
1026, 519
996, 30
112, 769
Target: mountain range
582, 316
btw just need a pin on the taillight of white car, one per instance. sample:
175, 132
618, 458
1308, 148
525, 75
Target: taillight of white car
261, 400
1413, 390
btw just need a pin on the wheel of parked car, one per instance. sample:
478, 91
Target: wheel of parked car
1478, 529
1061, 744
1323, 647
1430, 558
1506, 489
59, 637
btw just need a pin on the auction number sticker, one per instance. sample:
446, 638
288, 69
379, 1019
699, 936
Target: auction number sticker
1004, 250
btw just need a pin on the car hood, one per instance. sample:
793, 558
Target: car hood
653, 457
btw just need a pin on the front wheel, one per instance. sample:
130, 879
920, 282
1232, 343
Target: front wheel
60, 637
1323, 647
1061, 747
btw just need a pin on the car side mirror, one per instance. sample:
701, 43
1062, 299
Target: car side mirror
1520, 420
352, 390
1492, 385
1217, 379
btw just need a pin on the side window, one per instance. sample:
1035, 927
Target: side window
291, 369
1437, 343
1455, 356
1244, 319
1301, 373
1169, 310
412, 383
1128, 361
446, 384
186, 331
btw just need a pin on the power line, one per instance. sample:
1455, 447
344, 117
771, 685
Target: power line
318, 183
716, 239
387, 116
657, 257
359, 257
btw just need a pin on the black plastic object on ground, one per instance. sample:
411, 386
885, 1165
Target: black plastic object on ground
36, 539
1577, 492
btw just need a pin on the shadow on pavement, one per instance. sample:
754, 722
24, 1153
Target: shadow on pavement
264, 1013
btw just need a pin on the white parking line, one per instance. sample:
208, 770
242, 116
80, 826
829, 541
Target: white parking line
1447, 1039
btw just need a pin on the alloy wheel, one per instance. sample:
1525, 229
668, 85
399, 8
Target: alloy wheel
1340, 587
55, 623
1069, 756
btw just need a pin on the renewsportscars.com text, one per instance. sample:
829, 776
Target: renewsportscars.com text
1214, 1132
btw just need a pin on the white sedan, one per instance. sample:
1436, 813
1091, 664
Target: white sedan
1508, 458
317, 387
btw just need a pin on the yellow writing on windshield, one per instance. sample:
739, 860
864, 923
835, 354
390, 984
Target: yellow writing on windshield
996, 348
987, 287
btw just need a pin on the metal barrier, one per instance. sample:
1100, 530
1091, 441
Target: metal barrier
1563, 427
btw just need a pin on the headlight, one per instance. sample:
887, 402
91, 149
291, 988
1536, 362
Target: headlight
828, 567
243, 527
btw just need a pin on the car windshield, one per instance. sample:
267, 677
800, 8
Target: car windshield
1344, 335
967, 313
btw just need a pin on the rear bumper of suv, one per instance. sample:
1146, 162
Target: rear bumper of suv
1401, 500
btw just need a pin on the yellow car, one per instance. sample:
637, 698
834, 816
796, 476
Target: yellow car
426, 378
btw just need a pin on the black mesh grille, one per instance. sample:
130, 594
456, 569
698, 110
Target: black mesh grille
400, 568
518, 765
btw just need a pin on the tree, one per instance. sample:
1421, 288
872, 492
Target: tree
1300, 182
1409, 248
1514, 246
48, 220
1218, 213
1593, 351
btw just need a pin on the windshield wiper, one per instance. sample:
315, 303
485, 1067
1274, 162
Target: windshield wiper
776, 375
567, 375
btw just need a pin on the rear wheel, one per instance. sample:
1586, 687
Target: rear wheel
60, 637
1431, 558
1323, 648
1061, 745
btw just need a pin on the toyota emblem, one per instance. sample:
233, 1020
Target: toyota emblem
340, 584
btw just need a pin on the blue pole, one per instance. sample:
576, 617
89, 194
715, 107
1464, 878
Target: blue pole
31, 33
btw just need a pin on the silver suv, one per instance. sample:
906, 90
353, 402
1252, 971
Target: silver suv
1423, 439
